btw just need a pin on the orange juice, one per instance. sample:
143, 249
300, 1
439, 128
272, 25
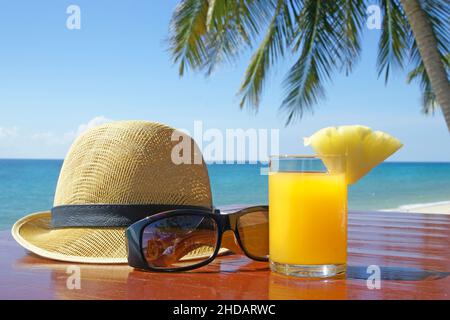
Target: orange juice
308, 218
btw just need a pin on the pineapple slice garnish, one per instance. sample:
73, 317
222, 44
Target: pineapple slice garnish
362, 148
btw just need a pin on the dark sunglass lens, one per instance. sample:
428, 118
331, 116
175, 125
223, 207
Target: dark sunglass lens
179, 241
253, 228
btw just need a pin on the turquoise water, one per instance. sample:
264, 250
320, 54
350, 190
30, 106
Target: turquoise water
28, 186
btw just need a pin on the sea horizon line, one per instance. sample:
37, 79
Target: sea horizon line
224, 161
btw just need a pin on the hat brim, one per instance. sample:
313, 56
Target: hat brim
35, 233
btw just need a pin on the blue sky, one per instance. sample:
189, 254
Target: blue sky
55, 81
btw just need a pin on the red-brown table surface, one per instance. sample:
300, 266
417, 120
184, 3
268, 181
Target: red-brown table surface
412, 250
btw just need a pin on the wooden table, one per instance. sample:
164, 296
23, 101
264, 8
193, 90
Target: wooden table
413, 251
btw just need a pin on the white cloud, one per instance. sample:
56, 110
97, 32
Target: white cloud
8, 132
94, 122
42, 144
67, 137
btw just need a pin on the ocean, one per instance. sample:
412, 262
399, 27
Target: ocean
28, 186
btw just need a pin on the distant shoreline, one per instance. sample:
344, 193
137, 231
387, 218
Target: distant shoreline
28, 186
440, 207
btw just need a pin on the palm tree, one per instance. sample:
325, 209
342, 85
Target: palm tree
435, 82
321, 36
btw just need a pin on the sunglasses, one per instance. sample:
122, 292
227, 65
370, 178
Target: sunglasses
186, 239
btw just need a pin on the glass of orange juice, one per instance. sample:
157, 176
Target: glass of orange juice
307, 215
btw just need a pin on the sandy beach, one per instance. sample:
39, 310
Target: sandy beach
442, 207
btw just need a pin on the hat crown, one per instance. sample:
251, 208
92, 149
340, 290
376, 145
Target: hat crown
130, 162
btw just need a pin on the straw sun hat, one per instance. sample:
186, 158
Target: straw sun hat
110, 178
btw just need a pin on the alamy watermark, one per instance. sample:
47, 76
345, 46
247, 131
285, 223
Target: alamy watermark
74, 279
373, 20
374, 17
227, 146
73, 21
374, 279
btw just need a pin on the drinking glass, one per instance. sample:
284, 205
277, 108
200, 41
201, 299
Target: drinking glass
307, 215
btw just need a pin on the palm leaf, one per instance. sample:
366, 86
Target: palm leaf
224, 39
205, 33
319, 35
212, 7
429, 103
188, 28
352, 15
323, 36
271, 48
393, 47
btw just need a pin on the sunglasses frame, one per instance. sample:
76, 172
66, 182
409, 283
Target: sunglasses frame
224, 222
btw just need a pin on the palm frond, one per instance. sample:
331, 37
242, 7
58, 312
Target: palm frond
278, 36
212, 7
351, 15
393, 47
232, 25
224, 39
324, 36
429, 103
205, 33
187, 30
319, 36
